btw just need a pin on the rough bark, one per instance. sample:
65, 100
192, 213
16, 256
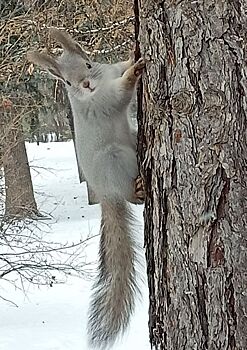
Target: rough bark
193, 155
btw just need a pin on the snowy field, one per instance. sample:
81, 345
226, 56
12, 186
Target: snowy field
46, 318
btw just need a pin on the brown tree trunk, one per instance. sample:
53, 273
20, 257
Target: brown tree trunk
194, 156
20, 201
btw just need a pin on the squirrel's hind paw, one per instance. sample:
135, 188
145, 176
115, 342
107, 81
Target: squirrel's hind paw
139, 190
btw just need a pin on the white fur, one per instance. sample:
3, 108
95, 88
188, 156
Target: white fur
104, 139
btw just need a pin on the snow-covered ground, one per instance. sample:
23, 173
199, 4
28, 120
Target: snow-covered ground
55, 318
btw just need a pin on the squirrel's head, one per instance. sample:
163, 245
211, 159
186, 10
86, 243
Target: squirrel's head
72, 67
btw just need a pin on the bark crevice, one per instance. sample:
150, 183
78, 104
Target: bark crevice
202, 297
216, 249
231, 312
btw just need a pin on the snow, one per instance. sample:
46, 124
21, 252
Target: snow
46, 318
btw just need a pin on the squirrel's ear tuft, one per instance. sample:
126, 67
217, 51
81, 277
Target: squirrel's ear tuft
67, 42
45, 61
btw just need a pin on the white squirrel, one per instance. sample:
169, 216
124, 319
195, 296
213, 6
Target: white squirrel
100, 95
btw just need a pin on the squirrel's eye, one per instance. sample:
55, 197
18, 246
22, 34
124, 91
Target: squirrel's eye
88, 65
67, 82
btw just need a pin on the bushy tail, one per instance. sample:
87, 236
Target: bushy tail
115, 287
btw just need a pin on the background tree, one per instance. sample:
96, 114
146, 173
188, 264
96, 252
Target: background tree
193, 148
20, 201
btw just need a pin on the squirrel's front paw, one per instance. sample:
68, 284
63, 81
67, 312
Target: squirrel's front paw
131, 75
132, 56
139, 66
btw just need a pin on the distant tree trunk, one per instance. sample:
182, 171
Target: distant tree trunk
20, 201
193, 144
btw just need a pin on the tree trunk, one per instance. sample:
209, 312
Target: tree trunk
193, 155
20, 201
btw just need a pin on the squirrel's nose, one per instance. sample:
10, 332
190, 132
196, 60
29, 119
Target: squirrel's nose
86, 83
